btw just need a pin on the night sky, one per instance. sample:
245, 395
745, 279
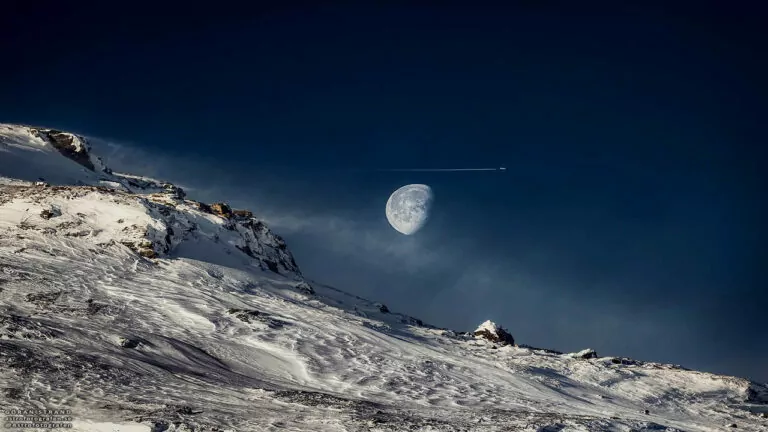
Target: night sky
631, 217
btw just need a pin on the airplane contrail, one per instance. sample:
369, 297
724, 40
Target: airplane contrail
442, 169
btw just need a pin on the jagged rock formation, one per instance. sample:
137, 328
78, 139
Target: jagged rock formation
69, 145
221, 209
494, 333
151, 225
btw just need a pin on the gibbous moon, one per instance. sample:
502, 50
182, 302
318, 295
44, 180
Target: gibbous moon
408, 208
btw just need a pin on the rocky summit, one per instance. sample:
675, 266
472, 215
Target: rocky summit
494, 333
139, 308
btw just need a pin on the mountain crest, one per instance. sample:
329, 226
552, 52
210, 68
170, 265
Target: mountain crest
93, 206
69, 145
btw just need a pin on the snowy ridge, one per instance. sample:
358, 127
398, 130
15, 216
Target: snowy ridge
140, 309
32, 154
152, 225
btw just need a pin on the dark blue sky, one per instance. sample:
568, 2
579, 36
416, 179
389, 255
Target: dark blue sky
631, 216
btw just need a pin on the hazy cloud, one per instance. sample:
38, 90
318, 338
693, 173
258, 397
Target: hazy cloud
341, 234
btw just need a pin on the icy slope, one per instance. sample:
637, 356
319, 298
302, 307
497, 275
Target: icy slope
136, 307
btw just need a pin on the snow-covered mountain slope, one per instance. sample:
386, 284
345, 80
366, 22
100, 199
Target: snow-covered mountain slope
34, 154
139, 309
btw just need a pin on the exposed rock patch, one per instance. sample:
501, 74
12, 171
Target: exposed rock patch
585, 354
50, 213
221, 209
174, 191
143, 248
69, 145
203, 207
242, 214
494, 333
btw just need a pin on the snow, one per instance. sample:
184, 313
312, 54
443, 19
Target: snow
218, 340
26, 157
488, 326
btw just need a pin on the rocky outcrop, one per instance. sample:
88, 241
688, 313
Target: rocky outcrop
174, 191
242, 214
168, 221
585, 354
494, 333
144, 248
69, 145
221, 209
203, 207
260, 242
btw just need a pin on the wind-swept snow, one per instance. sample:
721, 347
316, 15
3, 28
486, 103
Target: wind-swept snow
139, 309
